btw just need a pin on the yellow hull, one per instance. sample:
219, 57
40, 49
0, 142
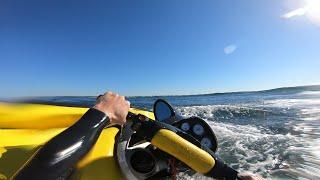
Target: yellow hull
24, 127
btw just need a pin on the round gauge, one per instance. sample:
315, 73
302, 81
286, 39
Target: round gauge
185, 126
206, 142
198, 129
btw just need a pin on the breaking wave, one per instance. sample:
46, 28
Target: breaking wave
250, 145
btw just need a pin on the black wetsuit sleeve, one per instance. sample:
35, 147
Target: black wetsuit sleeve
221, 170
57, 158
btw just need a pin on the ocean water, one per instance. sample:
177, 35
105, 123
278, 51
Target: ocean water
274, 133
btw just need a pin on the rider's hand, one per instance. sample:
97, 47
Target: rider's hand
249, 176
116, 107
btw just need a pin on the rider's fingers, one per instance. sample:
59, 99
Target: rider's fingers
109, 94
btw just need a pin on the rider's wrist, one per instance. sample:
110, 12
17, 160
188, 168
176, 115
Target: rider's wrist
99, 107
96, 117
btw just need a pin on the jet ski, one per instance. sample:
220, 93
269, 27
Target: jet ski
151, 145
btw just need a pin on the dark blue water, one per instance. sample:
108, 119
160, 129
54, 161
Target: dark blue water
275, 133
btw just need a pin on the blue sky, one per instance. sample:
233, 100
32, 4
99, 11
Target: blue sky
155, 47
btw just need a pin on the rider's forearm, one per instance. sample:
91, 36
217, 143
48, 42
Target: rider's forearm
223, 171
57, 157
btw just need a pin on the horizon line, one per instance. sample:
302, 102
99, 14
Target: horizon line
200, 94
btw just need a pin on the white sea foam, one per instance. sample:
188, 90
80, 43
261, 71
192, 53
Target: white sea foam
309, 93
251, 148
291, 102
227, 111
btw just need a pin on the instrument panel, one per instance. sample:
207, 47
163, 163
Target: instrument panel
200, 130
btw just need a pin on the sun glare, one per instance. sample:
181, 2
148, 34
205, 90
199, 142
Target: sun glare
313, 10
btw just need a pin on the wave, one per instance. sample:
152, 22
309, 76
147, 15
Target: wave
250, 147
224, 111
241, 115
309, 93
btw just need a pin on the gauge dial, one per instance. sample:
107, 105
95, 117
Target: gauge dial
206, 142
198, 129
185, 126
